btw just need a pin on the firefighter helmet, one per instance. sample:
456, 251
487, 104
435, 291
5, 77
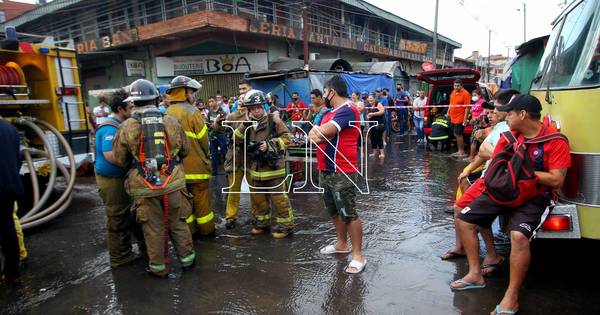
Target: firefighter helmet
141, 90
182, 81
253, 98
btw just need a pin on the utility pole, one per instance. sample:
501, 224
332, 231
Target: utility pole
305, 32
435, 34
524, 22
489, 53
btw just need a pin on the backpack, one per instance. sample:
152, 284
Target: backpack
510, 179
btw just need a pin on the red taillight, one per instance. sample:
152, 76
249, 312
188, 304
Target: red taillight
557, 222
66, 91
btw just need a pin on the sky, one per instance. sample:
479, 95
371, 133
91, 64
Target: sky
468, 21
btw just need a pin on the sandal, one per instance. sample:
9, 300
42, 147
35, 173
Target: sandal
494, 268
497, 310
330, 249
359, 266
466, 285
449, 255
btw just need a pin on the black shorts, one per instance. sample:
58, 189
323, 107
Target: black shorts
525, 219
458, 129
473, 177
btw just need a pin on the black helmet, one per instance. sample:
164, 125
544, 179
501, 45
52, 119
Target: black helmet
254, 97
141, 90
182, 81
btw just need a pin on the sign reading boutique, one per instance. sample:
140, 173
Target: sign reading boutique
210, 64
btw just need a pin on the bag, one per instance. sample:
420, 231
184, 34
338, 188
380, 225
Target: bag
510, 179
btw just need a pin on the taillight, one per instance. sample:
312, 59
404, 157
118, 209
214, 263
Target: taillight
66, 91
557, 222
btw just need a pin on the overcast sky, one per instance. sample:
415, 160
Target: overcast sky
467, 21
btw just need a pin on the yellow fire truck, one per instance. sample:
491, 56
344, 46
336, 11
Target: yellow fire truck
40, 94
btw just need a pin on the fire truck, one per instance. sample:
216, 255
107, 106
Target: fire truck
41, 95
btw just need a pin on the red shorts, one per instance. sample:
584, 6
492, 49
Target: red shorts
473, 192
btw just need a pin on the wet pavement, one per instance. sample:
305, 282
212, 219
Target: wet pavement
405, 230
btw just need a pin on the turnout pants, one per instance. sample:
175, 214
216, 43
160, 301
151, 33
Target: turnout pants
8, 236
275, 201
120, 222
150, 214
233, 200
203, 218
20, 237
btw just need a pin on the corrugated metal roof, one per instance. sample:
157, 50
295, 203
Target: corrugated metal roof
363, 5
40, 11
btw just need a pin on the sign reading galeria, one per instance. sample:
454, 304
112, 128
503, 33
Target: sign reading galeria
210, 64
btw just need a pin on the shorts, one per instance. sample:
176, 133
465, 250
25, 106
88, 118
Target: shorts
526, 219
471, 194
473, 177
339, 195
458, 129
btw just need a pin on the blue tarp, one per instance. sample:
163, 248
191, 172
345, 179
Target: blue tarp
355, 81
368, 82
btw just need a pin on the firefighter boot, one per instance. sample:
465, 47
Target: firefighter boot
260, 213
285, 216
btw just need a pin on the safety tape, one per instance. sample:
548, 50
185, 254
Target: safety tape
388, 107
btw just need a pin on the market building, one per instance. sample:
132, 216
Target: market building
217, 41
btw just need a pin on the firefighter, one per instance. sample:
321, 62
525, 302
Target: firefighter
152, 145
235, 167
265, 143
197, 163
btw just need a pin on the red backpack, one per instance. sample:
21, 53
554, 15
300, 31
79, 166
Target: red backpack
510, 179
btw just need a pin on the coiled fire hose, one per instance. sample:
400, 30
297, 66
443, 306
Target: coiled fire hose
39, 215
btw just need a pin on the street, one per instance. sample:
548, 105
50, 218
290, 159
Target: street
405, 231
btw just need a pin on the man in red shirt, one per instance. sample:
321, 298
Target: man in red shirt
297, 111
458, 114
523, 118
337, 141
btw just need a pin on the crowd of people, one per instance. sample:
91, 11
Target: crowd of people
155, 156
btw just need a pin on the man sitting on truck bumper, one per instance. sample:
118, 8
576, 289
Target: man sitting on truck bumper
523, 119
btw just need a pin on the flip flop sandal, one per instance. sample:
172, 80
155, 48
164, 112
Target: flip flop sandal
449, 255
494, 268
466, 285
499, 311
359, 266
330, 249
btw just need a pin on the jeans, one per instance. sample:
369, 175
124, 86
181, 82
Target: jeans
402, 117
216, 142
419, 126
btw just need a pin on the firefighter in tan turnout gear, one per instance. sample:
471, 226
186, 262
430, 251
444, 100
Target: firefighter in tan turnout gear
265, 144
152, 146
197, 163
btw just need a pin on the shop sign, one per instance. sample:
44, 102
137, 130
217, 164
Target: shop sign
210, 64
407, 49
135, 68
116, 39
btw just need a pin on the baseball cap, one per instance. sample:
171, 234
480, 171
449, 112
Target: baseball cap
378, 90
488, 105
524, 102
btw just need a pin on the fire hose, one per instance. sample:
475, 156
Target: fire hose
39, 215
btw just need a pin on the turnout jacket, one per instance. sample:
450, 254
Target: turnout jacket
126, 145
197, 163
278, 138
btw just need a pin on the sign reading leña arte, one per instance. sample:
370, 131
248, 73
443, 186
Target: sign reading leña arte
210, 64
406, 48
117, 39
135, 68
